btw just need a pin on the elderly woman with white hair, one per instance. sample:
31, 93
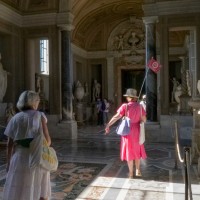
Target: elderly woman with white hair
23, 182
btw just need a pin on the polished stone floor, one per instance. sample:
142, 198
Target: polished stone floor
93, 150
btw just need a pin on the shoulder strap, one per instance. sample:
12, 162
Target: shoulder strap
126, 110
140, 111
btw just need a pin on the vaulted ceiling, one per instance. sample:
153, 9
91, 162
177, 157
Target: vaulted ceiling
94, 20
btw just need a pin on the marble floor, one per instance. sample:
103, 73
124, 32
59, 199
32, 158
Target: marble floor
95, 152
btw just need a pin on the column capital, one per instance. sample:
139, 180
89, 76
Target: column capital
182, 58
150, 20
66, 27
65, 21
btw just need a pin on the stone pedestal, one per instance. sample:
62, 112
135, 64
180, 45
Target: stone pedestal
62, 129
184, 107
2, 119
79, 113
195, 104
2, 109
67, 130
88, 113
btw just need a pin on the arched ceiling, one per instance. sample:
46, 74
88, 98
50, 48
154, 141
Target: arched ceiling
94, 20
32, 6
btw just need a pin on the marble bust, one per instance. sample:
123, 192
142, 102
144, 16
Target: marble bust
3, 81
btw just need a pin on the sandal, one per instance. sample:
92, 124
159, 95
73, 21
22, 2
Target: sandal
130, 176
138, 173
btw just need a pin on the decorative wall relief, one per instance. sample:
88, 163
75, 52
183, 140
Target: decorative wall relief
128, 40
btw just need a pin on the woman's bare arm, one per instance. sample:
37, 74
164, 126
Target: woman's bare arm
10, 145
116, 117
46, 131
143, 118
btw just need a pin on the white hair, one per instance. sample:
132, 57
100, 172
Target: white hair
27, 99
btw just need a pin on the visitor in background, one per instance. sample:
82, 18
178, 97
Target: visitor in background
106, 111
100, 109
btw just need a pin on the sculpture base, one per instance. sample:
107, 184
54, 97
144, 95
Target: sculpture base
2, 121
184, 106
195, 145
2, 109
62, 129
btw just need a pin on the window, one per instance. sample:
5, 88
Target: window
44, 57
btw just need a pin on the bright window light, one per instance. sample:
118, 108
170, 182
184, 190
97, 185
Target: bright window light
44, 57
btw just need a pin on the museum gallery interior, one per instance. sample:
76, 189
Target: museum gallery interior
74, 52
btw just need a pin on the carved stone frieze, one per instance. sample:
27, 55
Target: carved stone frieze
9, 28
128, 36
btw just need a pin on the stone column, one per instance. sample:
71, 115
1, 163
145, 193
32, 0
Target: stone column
66, 75
184, 97
67, 123
195, 104
110, 78
151, 79
195, 100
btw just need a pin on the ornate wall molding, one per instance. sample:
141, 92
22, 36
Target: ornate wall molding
171, 7
53, 18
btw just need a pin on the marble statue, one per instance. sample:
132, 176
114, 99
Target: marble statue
3, 81
39, 85
178, 93
118, 42
86, 89
96, 90
198, 86
79, 91
175, 85
188, 83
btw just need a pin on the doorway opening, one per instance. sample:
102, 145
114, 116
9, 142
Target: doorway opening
132, 79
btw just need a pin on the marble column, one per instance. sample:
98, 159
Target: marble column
184, 97
195, 104
66, 75
110, 78
151, 79
67, 122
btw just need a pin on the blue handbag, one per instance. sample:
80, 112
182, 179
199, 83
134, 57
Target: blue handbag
124, 128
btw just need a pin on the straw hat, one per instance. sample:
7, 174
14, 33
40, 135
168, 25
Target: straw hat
131, 93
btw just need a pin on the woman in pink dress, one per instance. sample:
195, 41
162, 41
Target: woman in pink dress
131, 150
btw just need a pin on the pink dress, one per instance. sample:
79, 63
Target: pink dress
130, 147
